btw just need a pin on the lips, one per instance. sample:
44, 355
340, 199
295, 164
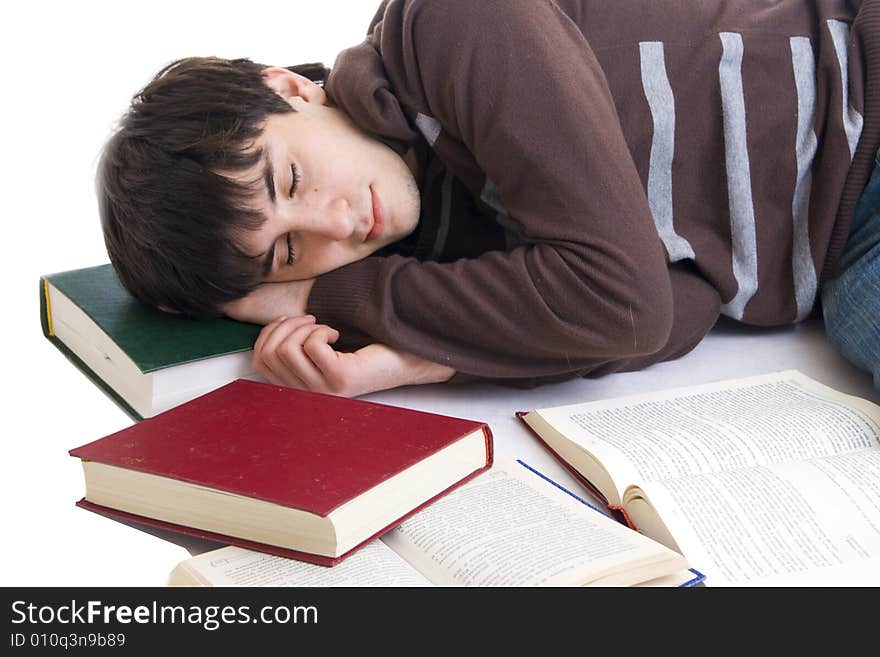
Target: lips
378, 216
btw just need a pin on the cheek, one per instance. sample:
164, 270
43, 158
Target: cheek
321, 258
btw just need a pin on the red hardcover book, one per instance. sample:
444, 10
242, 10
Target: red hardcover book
297, 474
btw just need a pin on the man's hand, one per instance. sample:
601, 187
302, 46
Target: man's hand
296, 352
271, 300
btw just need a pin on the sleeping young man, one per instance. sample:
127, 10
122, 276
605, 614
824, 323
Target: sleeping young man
518, 191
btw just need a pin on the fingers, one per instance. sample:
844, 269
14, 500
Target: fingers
267, 361
291, 362
284, 352
270, 328
322, 358
296, 352
265, 332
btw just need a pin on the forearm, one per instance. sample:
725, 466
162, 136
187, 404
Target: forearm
270, 301
398, 368
503, 316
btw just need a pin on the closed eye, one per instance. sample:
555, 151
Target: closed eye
291, 256
294, 180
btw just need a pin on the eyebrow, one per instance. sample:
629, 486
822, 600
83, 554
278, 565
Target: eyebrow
269, 179
269, 260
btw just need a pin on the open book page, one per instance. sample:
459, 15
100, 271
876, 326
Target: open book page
775, 418
512, 527
372, 565
813, 522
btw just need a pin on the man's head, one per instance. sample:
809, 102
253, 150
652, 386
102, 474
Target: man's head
224, 174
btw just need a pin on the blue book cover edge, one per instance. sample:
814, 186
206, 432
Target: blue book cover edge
698, 576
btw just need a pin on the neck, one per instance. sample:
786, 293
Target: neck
412, 161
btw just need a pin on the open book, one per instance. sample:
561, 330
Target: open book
767, 480
511, 526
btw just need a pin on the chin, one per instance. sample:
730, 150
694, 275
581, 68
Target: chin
409, 231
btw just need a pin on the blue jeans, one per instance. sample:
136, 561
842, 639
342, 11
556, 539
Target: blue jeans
851, 296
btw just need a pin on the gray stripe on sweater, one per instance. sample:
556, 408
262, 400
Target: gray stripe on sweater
739, 183
445, 211
803, 268
429, 126
661, 101
852, 119
491, 196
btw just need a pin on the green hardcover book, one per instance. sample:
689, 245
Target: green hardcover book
146, 360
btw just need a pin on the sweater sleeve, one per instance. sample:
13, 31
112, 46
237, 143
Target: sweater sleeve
518, 84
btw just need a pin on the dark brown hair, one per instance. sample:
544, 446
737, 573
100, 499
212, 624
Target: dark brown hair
167, 215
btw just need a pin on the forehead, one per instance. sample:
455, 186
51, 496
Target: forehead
262, 153
250, 196
250, 176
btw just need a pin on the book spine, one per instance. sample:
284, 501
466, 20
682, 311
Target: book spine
623, 514
490, 445
46, 324
45, 310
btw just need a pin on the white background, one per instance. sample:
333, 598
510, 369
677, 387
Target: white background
69, 70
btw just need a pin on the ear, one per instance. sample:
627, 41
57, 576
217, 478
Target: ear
290, 85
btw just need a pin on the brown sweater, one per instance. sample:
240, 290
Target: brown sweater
602, 179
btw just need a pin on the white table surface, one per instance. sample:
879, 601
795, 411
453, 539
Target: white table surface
51, 542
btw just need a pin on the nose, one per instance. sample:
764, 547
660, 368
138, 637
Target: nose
334, 220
